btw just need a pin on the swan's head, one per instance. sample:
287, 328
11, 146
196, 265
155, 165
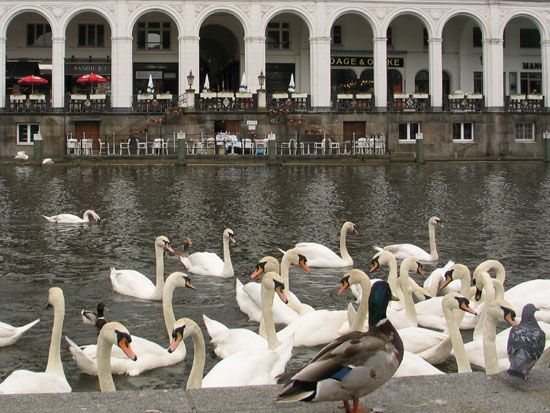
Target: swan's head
183, 328
501, 310
381, 258
435, 221
410, 263
266, 264
457, 301
295, 257
164, 243
92, 215
273, 282
179, 279
228, 234
55, 296
481, 279
117, 335
351, 228
353, 276
457, 271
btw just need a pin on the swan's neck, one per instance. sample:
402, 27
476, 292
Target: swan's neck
392, 278
343, 248
465, 284
54, 365
104, 375
489, 345
267, 316
407, 297
456, 339
433, 248
197, 370
285, 270
168, 309
227, 265
499, 289
86, 217
480, 325
159, 269
363, 310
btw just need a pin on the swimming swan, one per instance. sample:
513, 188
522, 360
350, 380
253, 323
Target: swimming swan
10, 334
89, 215
135, 284
53, 380
208, 263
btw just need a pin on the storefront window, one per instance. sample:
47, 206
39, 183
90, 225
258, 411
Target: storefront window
153, 35
531, 82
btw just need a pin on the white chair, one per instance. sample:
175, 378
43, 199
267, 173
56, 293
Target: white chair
140, 146
72, 147
286, 146
261, 147
380, 144
334, 146
361, 146
160, 147
125, 146
164, 146
104, 147
86, 146
319, 146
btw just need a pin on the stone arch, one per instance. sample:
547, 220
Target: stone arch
373, 23
68, 17
229, 9
485, 32
307, 19
530, 16
428, 22
141, 11
12, 14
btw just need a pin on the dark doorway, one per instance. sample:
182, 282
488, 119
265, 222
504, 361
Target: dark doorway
354, 130
219, 58
89, 130
278, 76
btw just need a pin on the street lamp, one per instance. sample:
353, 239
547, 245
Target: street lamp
190, 79
261, 80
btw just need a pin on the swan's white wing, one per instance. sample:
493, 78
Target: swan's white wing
320, 256
65, 219
282, 313
203, 263
26, 382
315, 328
132, 283
246, 304
402, 251
413, 365
10, 334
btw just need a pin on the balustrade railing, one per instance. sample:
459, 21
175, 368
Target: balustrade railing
524, 103
92, 103
36, 102
353, 102
226, 101
464, 102
409, 102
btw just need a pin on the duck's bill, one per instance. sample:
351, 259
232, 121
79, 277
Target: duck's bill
281, 295
125, 347
467, 309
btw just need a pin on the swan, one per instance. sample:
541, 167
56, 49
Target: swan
405, 250
95, 319
320, 256
112, 334
22, 156
230, 341
89, 215
135, 284
151, 354
47, 161
245, 368
187, 242
10, 334
208, 263
249, 295
53, 380
436, 283
533, 291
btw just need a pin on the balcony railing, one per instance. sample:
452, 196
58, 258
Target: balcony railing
84, 103
524, 103
36, 102
226, 101
464, 102
409, 102
147, 103
289, 102
353, 102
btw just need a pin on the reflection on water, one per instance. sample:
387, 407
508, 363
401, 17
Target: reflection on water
490, 210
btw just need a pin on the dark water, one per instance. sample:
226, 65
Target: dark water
490, 210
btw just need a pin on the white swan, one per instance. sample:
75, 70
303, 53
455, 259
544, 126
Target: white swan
53, 379
112, 334
320, 256
405, 250
135, 284
89, 215
249, 295
228, 341
436, 283
21, 156
533, 291
10, 334
208, 263
47, 161
151, 355
245, 368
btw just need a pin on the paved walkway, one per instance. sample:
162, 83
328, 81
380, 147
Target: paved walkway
471, 392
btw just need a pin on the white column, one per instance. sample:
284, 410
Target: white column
2, 72
493, 72
121, 72
320, 72
545, 60
380, 72
254, 50
188, 61
58, 72
436, 73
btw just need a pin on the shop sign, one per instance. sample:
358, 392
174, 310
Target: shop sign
531, 66
162, 67
85, 68
364, 61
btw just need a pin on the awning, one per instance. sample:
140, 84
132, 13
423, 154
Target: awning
17, 70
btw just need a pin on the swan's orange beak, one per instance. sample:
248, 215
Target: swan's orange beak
420, 270
304, 265
125, 347
467, 309
168, 248
256, 274
510, 319
175, 343
281, 295
344, 287
189, 285
374, 265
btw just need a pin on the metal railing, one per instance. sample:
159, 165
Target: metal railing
353, 102
87, 103
524, 103
31, 103
464, 102
409, 102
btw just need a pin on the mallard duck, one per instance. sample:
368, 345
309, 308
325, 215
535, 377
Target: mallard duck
184, 253
525, 343
354, 364
95, 319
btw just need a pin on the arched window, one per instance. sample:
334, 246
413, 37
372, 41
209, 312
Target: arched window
422, 82
395, 81
343, 80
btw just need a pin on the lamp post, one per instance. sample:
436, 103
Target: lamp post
261, 93
261, 80
190, 79
190, 91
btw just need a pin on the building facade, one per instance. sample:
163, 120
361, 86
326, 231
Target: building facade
436, 58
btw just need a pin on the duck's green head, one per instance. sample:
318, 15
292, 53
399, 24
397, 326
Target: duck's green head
379, 298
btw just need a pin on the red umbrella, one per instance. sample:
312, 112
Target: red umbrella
32, 80
91, 78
